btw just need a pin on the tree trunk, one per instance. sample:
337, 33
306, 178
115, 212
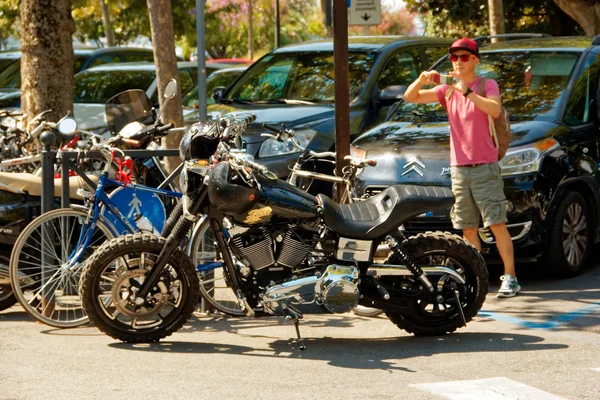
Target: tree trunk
585, 12
165, 59
496, 17
47, 58
250, 32
108, 31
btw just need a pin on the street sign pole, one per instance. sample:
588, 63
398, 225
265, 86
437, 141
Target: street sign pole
201, 46
342, 95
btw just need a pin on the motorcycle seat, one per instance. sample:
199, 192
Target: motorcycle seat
18, 182
382, 213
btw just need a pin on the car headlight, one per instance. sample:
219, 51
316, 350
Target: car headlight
272, 147
525, 159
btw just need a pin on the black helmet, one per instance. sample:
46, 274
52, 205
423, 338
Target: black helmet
200, 141
229, 197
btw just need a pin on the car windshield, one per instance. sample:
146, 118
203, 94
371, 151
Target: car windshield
99, 86
531, 82
301, 77
217, 79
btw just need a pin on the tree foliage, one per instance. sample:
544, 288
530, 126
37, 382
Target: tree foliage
9, 13
470, 17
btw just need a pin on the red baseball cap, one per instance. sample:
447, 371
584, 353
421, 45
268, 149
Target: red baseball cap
465, 44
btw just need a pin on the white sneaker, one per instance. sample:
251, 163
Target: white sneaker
510, 287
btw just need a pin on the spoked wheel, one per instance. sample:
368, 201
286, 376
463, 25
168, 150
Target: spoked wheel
7, 297
438, 313
214, 286
44, 278
113, 277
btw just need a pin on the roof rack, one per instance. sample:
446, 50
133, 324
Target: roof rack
480, 39
596, 40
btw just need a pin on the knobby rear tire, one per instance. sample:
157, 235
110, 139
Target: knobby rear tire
443, 244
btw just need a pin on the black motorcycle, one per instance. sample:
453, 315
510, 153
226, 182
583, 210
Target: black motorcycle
283, 252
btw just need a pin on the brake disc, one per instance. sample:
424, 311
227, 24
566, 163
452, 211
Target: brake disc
125, 299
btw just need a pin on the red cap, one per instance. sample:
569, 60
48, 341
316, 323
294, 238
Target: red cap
465, 44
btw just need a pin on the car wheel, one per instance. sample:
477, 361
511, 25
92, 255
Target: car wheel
570, 237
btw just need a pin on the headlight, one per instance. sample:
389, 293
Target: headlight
272, 147
522, 160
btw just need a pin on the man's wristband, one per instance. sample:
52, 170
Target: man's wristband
468, 92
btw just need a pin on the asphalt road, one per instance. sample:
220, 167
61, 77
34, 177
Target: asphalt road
542, 344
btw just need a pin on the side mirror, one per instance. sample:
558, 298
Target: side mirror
391, 94
169, 92
217, 93
67, 126
170, 89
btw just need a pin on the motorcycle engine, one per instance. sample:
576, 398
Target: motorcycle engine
272, 253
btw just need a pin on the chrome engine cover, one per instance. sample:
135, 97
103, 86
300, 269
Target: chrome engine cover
336, 289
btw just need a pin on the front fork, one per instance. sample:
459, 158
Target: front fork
175, 237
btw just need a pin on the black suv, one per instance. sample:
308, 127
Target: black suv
550, 88
294, 85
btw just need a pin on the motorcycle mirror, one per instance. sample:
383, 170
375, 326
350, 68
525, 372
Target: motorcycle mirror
67, 125
170, 89
169, 93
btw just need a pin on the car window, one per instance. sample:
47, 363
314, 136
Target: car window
186, 82
434, 53
79, 61
136, 57
299, 76
401, 69
531, 83
99, 86
104, 59
10, 78
577, 110
5, 62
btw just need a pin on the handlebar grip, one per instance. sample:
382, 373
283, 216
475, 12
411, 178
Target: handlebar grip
272, 128
164, 128
131, 142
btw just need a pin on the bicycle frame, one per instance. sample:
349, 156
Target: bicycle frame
102, 199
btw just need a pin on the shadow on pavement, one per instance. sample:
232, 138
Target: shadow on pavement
16, 314
381, 353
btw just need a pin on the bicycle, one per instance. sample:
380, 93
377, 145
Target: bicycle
49, 254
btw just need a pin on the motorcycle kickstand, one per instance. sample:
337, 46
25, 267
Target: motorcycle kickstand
460, 309
290, 313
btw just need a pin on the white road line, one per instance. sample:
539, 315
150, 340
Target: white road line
488, 389
596, 369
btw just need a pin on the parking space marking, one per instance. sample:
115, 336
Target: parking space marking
550, 324
489, 389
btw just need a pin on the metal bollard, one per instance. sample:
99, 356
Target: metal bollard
47, 139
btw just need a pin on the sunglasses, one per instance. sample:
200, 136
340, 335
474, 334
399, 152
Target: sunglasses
463, 57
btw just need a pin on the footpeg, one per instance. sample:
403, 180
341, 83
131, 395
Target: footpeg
243, 304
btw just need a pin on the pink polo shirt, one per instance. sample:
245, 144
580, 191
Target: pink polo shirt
470, 140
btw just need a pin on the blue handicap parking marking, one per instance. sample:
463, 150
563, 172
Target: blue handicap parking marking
550, 324
130, 202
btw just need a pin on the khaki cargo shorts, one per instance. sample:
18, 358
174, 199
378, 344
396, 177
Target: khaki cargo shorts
478, 190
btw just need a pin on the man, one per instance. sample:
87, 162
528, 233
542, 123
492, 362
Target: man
476, 180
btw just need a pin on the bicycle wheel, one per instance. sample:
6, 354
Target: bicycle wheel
49, 290
214, 286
